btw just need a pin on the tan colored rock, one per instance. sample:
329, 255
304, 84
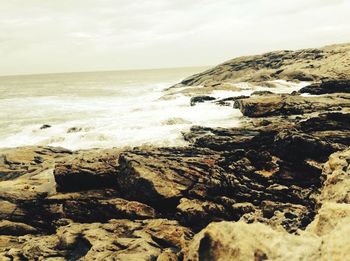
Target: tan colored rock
162, 176
115, 240
196, 212
336, 244
8, 209
88, 170
240, 241
328, 218
15, 228
329, 62
337, 185
285, 104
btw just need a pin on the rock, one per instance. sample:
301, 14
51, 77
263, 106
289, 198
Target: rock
324, 239
296, 146
15, 228
45, 126
162, 176
96, 206
118, 239
198, 213
185, 183
261, 93
328, 218
326, 87
11, 210
24, 160
88, 171
241, 241
219, 139
337, 174
329, 62
230, 100
200, 99
74, 130
285, 104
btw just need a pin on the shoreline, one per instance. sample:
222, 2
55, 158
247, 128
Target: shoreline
279, 181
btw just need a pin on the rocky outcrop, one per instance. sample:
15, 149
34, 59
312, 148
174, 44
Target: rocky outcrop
200, 99
324, 239
276, 187
329, 62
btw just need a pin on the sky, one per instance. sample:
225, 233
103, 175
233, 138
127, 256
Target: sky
48, 36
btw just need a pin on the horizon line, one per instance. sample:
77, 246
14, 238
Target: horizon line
101, 71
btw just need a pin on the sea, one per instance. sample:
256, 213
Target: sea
108, 109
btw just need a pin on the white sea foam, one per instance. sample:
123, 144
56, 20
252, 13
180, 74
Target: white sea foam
127, 115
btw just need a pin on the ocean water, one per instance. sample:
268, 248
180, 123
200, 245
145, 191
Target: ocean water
107, 109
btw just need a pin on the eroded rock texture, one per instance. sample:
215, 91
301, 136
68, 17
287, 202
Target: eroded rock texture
324, 239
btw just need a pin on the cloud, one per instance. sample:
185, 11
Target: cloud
52, 36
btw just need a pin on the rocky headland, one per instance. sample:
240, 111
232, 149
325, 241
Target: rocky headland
275, 188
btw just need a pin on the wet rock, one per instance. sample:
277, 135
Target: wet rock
45, 126
74, 130
200, 99
326, 87
230, 100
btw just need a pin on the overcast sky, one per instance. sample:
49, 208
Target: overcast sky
40, 36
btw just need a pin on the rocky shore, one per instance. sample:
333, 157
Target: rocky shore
275, 188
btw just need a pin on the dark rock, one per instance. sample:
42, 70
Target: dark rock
45, 126
261, 93
230, 100
326, 87
200, 99
296, 146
